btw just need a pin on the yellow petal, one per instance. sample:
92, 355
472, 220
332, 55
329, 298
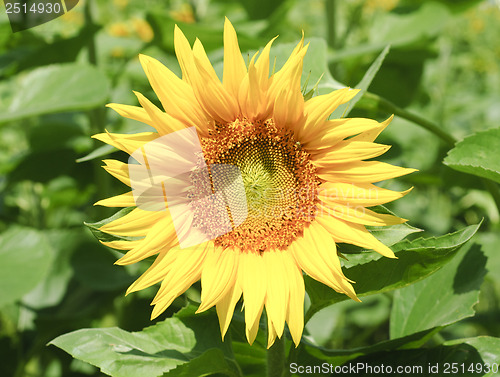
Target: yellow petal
372, 134
161, 235
356, 234
364, 194
128, 143
155, 273
358, 214
253, 284
176, 96
349, 151
122, 244
185, 270
277, 289
295, 312
271, 333
184, 55
362, 172
163, 122
209, 91
131, 112
234, 64
117, 169
123, 200
136, 223
218, 276
319, 108
316, 254
329, 133
225, 308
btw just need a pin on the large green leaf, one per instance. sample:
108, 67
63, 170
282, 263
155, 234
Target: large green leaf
25, 259
416, 260
56, 88
156, 350
477, 154
444, 298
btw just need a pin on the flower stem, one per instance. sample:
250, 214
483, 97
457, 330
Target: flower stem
276, 358
430, 126
330, 10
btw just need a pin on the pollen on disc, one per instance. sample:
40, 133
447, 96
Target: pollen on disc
280, 184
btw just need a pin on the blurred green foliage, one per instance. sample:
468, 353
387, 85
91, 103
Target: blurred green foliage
59, 284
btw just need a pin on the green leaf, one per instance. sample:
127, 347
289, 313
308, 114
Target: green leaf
444, 298
487, 346
210, 362
51, 290
103, 150
363, 85
416, 260
93, 266
57, 88
477, 155
105, 237
155, 350
25, 259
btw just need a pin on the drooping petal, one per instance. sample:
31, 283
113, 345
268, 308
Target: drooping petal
218, 276
254, 285
316, 254
278, 289
184, 271
225, 307
356, 234
295, 312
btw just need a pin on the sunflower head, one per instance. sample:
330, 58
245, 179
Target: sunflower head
245, 185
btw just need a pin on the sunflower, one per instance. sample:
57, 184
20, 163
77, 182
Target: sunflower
293, 182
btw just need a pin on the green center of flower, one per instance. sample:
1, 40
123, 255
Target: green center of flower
279, 180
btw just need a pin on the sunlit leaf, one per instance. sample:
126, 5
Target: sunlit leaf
444, 298
57, 88
25, 259
158, 349
477, 155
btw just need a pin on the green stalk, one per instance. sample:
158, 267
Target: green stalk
388, 106
276, 358
330, 11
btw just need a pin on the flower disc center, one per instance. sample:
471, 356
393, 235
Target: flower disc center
279, 180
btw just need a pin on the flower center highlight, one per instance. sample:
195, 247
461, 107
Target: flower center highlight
279, 180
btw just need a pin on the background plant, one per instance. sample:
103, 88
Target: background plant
440, 76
